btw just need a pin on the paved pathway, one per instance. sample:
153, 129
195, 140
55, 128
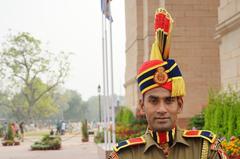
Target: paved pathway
72, 148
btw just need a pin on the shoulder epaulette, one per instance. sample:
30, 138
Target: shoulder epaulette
208, 135
129, 142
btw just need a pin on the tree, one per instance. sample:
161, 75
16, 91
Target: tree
3, 100
77, 107
61, 99
23, 64
18, 107
93, 108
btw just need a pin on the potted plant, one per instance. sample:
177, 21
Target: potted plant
99, 137
9, 139
85, 136
47, 142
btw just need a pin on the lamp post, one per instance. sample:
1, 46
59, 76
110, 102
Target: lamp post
99, 103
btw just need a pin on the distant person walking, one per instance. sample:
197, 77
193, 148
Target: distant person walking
59, 125
21, 127
63, 128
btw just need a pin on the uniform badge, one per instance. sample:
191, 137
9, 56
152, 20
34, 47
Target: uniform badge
160, 76
113, 155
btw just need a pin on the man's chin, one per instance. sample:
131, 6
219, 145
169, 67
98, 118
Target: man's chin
163, 127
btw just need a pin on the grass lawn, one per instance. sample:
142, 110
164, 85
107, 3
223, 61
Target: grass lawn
36, 133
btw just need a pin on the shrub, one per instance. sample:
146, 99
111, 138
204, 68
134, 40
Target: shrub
197, 121
99, 138
9, 138
222, 113
124, 116
127, 126
10, 134
134, 129
84, 131
47, 143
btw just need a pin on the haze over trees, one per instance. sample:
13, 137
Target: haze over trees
29, 75
30, 84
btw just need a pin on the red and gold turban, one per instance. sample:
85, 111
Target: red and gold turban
160, 71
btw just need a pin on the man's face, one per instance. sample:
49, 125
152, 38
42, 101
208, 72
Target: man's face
161, 109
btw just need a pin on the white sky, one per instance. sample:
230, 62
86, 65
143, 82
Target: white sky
71, 26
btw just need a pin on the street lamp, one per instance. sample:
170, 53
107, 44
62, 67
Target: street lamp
99, 103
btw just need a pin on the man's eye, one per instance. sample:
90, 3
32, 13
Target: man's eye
170, 100
153, 100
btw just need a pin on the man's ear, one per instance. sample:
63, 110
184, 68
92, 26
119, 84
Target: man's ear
180, 104
141, 105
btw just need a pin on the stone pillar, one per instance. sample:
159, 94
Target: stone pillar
134, 48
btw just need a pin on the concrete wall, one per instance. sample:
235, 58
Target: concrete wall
228, 36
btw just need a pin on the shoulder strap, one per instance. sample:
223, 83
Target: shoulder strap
129, 142
208, 135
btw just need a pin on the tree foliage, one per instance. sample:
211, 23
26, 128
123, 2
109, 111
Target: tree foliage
29, 72
223, 113
77, 108
18, 107
93, 108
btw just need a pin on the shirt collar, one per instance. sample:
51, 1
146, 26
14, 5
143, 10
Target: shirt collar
149, 141
178, 139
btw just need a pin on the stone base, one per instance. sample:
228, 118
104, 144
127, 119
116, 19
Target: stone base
103, 153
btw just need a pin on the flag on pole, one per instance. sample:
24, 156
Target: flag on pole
105, 7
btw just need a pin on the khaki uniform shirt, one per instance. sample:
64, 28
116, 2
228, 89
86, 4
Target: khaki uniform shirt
182, 148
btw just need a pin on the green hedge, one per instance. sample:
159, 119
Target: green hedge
127, 126
47, 143
222, 115
124, 116
197, 122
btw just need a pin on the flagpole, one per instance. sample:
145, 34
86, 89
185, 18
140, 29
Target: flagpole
112, 86
104, 84
107, 87
105, 6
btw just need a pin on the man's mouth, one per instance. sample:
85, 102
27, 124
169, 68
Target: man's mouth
161, 119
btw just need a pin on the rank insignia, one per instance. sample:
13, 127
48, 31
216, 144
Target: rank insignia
208, 135
129, 142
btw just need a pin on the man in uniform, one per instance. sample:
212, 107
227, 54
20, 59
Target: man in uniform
162, 89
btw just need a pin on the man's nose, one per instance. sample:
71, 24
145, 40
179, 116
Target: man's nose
161, 108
